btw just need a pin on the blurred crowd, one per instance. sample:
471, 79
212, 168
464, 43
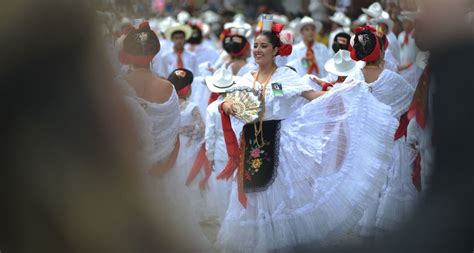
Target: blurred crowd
116, 132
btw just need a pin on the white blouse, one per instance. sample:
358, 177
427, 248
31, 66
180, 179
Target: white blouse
280, 107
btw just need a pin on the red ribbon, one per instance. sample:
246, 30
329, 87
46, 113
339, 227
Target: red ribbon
200, 163
416, 175
127, 29
418, 105
183, 92
234, 153
375, 54
311, 58
402, 128
242, 51
364, 28
214, 96
325, 86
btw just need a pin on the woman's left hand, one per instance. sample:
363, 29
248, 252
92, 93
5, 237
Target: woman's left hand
316, 80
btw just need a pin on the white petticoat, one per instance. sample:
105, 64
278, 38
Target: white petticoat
398, 198
333, 154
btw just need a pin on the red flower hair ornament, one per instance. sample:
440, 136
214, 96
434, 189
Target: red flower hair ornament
286, 39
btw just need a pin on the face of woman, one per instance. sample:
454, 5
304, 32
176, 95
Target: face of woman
263, 50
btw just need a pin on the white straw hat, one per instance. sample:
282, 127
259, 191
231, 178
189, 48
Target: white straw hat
221, 80
374, 10
186, 29
341, 64
360, 21
183, 17
384, 19
309, 21
341, 19
407, 15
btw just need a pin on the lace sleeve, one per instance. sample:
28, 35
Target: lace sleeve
196, 130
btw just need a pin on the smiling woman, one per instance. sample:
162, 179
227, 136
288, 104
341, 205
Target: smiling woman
300, 161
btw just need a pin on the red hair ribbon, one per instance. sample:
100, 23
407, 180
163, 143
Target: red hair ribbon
242, 51
375, 54
183, 92
224, 34
365, 28
127, 29
144, 25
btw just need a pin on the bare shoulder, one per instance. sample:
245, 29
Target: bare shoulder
160, 90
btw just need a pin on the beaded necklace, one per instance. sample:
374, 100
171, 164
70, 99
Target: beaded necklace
259, 129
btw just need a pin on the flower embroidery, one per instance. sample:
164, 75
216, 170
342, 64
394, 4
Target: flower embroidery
255, 153
254, 159
256, 163
247, 176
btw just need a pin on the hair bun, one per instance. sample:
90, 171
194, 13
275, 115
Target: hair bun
144, 25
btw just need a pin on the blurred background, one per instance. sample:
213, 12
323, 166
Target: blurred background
69, 149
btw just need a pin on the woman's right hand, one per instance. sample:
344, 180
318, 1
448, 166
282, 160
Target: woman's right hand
228, 108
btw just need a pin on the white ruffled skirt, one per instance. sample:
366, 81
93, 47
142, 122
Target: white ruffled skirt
334, 153
219, 191
185, 205
397, 198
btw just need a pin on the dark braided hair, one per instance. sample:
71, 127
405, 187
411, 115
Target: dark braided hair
336, 46
196, 36
142, 41
272, 37
232, 46
365, 43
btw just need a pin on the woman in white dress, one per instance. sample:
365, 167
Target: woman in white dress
156, 95
160, 102
305, 176
398, 196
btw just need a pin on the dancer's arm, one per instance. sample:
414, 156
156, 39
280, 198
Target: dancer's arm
311, 94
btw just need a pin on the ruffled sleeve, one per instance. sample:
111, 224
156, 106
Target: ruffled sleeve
391, 89
280, 107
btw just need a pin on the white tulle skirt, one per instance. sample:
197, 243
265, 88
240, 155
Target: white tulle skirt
397, 198
218, 195
334, 153
185, 205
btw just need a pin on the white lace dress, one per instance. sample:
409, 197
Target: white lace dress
333, 155
191, 136
398, 197
159, 125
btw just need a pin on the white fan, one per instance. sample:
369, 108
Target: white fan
247, 103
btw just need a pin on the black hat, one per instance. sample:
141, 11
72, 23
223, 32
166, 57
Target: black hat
181, 78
